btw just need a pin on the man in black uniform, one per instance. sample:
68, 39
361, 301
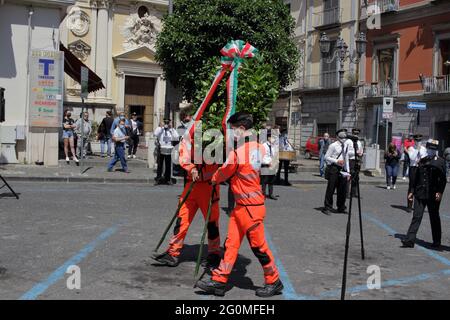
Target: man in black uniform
337, 173
427, 188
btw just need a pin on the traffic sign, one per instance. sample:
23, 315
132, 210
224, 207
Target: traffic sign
388, 108
417, 106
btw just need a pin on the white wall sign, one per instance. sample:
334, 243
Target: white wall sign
46, 88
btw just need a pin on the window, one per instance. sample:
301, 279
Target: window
386, 59
329, 76
142, 10
323, 128
444, 65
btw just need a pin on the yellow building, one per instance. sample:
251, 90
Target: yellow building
309, 107
116, 40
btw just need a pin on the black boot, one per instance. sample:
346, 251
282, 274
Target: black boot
165, 259
407, 244
270, 290
212, 287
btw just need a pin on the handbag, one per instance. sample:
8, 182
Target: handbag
328, 168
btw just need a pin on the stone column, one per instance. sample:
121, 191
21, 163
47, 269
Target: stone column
101, 52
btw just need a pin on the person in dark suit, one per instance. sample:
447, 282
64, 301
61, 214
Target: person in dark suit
427, 188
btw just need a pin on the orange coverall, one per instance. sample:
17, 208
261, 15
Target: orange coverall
198, 198
247, 219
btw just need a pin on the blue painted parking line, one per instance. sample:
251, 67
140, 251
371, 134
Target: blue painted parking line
59, 273
384, 226
390, 283
288, 291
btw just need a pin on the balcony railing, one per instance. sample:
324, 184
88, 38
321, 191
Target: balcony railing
438, 84
326, 80
378, 7
327, 17
379, 89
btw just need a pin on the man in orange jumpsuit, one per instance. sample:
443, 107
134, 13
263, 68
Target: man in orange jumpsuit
247, 219
198, 198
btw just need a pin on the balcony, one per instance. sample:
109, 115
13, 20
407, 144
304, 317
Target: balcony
437, 84
378, 7
327, 18
379, 89
326, 80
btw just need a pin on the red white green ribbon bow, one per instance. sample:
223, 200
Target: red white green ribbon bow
233, 55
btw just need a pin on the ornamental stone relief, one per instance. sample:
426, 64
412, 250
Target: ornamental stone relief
78, 22
141, 28
80, 49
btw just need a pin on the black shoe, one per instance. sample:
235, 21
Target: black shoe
326, 211
435, 245
342, 211
287, 184
212, 287
407, 244
272, 197
212, 261
165, 259
270, 290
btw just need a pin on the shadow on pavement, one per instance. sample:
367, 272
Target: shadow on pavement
424, 244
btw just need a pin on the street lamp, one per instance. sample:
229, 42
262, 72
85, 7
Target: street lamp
342, 53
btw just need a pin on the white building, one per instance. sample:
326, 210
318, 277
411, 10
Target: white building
26, 25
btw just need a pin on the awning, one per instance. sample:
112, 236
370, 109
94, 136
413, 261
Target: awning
72, 66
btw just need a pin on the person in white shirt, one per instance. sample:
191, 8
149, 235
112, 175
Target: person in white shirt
269, 168
414, 153
337, 172
135, 132
285, 145
119, 137
165, 136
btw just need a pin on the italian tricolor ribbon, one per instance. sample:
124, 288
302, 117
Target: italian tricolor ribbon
233, 54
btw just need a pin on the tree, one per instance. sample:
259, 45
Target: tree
198, 29
257, 91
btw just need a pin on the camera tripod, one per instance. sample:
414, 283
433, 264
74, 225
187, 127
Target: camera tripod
5, 184
354, 184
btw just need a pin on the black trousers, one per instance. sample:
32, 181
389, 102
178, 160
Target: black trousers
268, 181
406, 162
166, 160
132, 148
433, 210
336, 181
284, 163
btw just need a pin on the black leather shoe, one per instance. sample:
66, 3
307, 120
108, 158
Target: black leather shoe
342, 211
165, 259
407, 244
326, 211
270, 290
212, 287
272, 197
435, 245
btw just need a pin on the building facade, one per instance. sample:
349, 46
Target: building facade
408, 59
27, 27
116, 39
313, 100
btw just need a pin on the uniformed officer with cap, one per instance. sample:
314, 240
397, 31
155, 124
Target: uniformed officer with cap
427, 187
414, 158
337, 172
